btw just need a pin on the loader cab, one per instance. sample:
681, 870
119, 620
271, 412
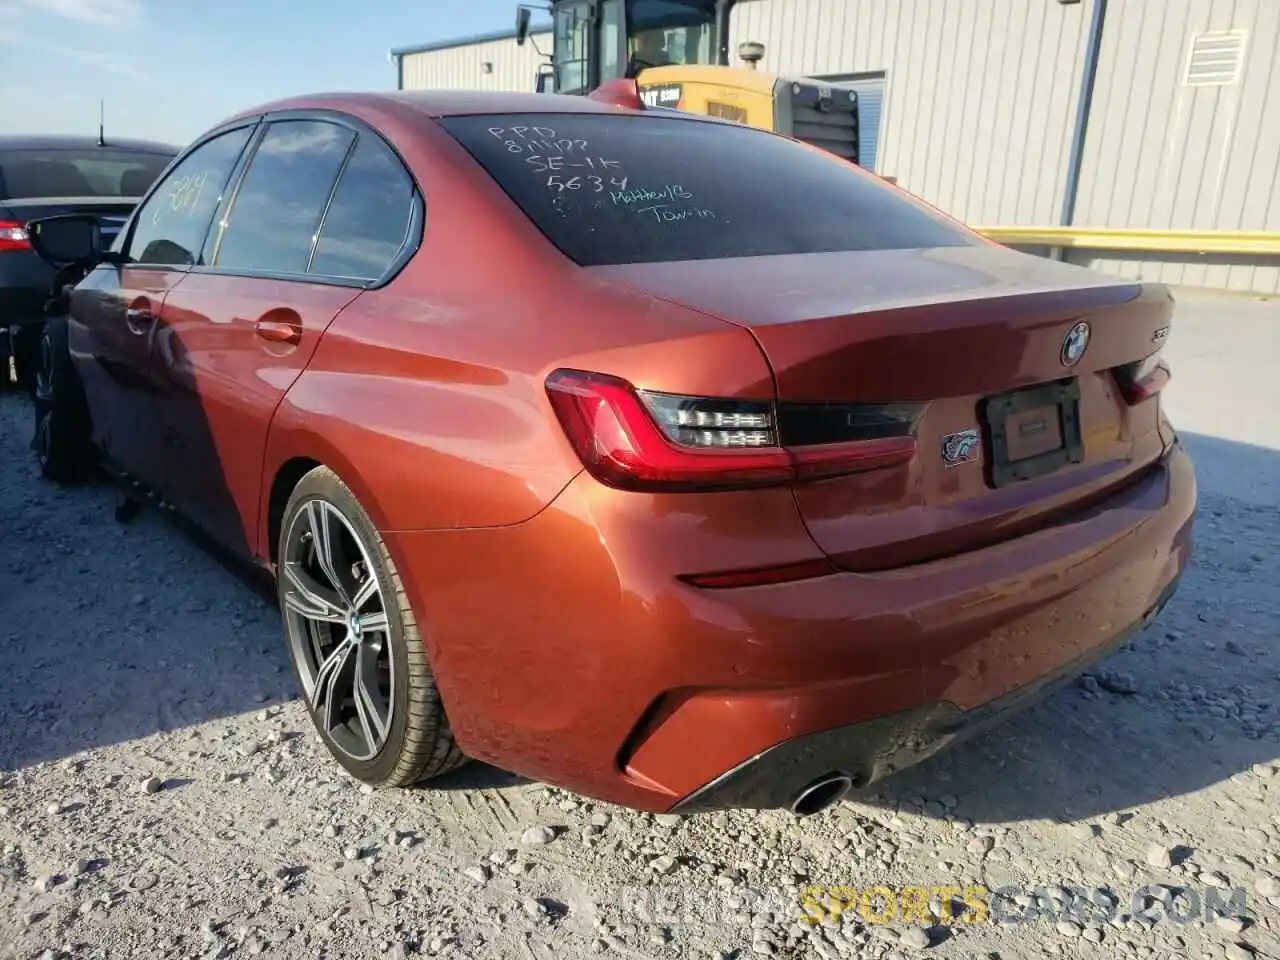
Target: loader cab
678, 53
598, 40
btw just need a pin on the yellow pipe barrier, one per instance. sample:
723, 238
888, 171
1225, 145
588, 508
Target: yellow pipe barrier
1257, 243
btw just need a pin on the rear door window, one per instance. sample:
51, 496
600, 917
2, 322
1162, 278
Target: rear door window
610, 189
367, 223
59, 173
279, 203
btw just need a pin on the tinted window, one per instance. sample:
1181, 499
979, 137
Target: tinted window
368, 218
171, 225
86, 172
611, 189
278, 205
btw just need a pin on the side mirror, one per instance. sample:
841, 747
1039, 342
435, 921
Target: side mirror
522, 25
67, 239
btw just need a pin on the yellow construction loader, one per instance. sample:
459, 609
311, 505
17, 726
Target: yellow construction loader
677, 51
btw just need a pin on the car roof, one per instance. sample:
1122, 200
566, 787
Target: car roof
445, 103
54, 141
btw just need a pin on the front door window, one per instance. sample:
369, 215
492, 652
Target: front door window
169, 228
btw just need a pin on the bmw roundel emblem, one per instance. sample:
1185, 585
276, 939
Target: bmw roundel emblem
1074, 345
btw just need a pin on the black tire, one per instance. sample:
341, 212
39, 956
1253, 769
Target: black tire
418, 743
26, 346
63, 439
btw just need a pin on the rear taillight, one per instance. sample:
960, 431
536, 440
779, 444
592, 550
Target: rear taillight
639, 440
13, 236
1142, 379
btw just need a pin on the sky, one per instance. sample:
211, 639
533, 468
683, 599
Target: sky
170, 69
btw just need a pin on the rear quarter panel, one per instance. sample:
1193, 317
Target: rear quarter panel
427, 395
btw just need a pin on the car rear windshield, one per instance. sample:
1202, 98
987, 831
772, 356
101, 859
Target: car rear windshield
610, 189
86, 172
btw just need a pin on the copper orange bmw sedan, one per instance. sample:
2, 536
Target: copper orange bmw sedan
674, 462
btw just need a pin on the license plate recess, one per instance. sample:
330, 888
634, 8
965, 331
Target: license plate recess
1032, 432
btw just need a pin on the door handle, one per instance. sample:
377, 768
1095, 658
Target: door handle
137, 319
278, 331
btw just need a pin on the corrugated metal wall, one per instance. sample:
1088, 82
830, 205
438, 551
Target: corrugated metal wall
1164, 154
966, 82
462, 67
980, 99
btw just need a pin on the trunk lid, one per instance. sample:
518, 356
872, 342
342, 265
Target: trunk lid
959, 331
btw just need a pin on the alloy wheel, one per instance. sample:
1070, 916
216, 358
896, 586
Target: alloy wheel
336, 624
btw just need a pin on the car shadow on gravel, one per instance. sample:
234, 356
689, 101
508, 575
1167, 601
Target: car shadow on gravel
107, 662
475, 776
1194, 700
110, 632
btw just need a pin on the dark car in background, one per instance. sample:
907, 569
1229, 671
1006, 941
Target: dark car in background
45, 175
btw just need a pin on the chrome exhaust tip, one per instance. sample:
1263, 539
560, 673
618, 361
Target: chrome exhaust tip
822, 793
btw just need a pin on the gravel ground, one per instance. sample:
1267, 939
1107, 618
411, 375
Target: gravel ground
162, 794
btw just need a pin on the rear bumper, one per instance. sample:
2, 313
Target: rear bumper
871, 750
567, 650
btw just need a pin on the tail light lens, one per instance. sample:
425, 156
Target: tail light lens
1142, 379
13, 236
640, 440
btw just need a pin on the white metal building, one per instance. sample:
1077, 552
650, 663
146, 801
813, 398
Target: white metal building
985, 108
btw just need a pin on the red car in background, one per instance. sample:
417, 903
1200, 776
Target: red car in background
664, 459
